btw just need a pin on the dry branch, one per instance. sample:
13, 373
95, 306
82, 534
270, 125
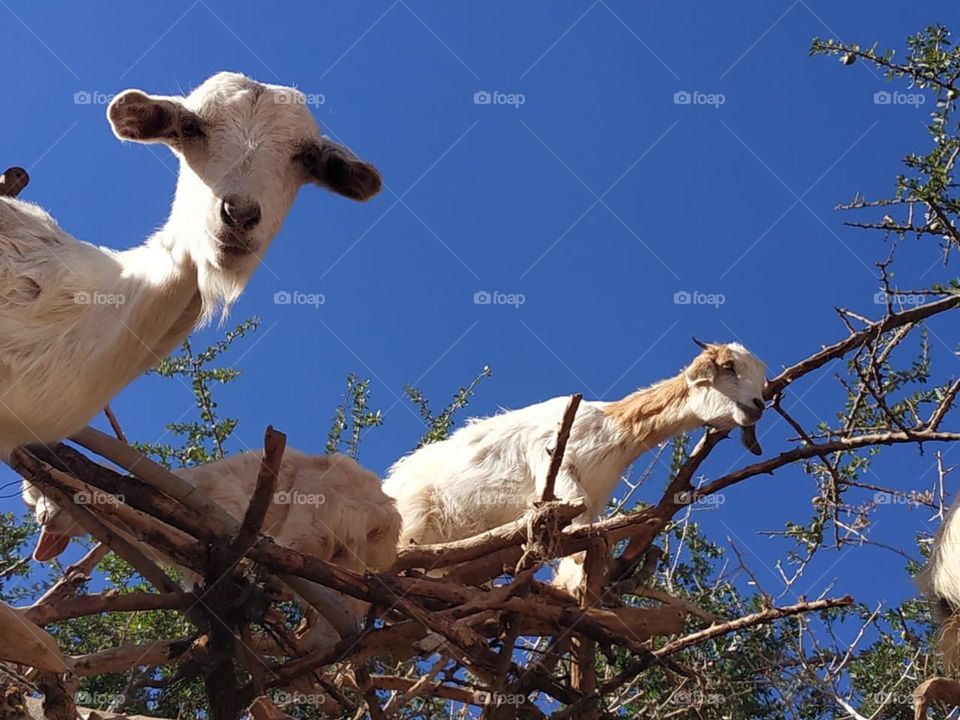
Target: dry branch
124, 657
28, 644
746, 621
560, 446
72, 607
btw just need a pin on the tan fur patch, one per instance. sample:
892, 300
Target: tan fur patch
645, 413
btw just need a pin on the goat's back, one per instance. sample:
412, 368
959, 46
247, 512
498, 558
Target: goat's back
325, 505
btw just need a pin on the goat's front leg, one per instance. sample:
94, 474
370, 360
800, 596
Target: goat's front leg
567, 487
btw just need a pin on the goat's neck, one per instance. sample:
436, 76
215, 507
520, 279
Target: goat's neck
163, 291
649, 416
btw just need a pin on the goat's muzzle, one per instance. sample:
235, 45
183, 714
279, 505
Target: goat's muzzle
748, 433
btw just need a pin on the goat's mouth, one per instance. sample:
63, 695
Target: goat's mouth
748, 428
232, 244
49, 545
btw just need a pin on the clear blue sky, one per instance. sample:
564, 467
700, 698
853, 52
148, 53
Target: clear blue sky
597, 199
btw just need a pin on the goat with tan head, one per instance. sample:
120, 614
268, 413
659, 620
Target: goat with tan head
490, 472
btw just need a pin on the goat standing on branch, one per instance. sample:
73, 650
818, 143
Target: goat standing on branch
79, 322
489, 472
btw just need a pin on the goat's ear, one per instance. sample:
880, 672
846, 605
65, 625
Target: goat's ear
702, 371
334, 167
139, 117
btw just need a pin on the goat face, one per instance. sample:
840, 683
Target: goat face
245, 149
56, 527
726, 385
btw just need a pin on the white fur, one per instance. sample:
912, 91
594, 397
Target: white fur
79, 322
939, 581
490, 471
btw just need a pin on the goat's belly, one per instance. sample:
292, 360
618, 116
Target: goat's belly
41, 410
482, 511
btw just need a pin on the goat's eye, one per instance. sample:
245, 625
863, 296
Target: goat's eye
729, 367
191, 129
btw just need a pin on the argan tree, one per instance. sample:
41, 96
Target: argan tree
670, 622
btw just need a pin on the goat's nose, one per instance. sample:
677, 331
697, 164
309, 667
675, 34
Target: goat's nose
758, 404
239, 212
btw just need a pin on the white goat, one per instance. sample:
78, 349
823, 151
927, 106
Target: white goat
79, 322
327, 506
490, 471
939, 581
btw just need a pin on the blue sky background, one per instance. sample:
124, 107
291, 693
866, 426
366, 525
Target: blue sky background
597, 199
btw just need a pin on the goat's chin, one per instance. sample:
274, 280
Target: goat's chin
221, 286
